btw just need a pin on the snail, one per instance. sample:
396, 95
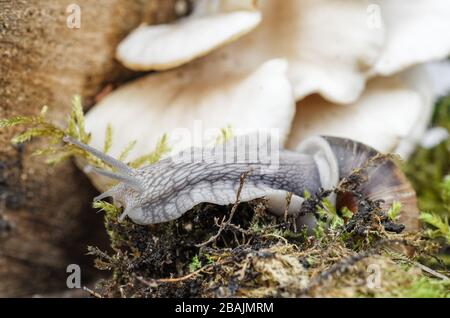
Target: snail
164, 191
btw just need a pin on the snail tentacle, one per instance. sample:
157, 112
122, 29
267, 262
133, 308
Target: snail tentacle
126, 174
117, 164
132, 181
104, 195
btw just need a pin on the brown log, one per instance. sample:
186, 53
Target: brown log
45, 215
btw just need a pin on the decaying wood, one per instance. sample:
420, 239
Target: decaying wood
45, 215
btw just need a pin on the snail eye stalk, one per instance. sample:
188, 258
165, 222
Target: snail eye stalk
125, 174
117, 164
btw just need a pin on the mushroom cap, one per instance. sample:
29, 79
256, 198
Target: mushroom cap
165, 46
328, 45
333, 46
390, 116
439, 73
416, 32
191, 106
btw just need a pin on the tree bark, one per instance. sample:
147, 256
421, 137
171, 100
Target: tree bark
45, 215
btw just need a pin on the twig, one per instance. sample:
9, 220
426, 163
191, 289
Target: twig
168, 280
424, 268
154, 282
226, 223
276, 236
93, 293
430, 271
239, 229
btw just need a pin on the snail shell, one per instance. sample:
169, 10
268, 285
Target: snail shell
385, 180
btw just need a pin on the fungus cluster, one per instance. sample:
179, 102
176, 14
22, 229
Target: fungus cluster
343, 68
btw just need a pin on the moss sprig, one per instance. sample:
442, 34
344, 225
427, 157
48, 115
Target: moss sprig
428, 169
56, 151
438, 225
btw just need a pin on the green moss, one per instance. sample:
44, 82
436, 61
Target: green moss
426, 287
195, 264
439, 226
57, 151
225, 134
258, 255
39, 126
108, 138
394, 210
428, 169
162, 147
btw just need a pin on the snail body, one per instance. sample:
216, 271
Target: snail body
164, 191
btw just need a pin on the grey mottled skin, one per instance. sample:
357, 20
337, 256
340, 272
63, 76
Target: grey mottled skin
165, 190
172, 188
176, 184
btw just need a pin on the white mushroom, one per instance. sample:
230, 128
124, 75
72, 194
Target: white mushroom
439, 73
188, 102
328, 44
212, 24
329, 47
332, 46
416, 32
390, 116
